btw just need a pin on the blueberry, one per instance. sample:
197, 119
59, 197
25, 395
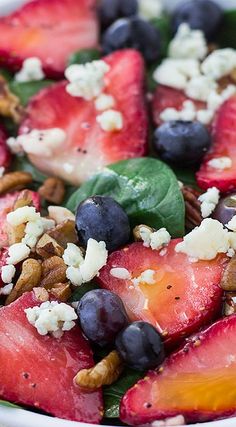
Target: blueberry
140, 345
226, 209
204, 15
133, 33
102, 315
111, 10
181, 143
102, 218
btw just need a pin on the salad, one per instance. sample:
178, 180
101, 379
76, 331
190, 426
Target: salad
118, 211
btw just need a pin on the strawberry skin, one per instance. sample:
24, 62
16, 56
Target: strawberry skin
185, 295
197, 382
223, 144
6, 205
88, 148
5, 155
50, 30
38, 371
167, 97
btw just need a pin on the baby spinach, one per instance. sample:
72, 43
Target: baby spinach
145, 187
80, 291
226, 36
83, 56
27, 89
8, 404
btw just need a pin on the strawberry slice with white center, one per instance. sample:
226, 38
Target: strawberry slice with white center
224, 149
182, 295
49, 30
87, 148
38, 370
197, 382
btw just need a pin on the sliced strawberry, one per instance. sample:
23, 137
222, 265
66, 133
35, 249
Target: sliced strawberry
38, 370
167, 97
88, 148
50, 30
5, 155
6, 205
197, 382
223, 145
185, 294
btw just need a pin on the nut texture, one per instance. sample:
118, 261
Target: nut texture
228, 281
14, 181
53, 272
10, 105
193, 216
48, 247
29, 279
53, 190
64, 233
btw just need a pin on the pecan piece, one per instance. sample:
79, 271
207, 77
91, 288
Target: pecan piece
228, 280
10, 105
15, 234
60, 291
64, 233
229, 306
48, 247
193, 215
53, 271
60, 214
14, 181
106, 372
24, 199
41, 294
29, 279
137, 232
53, 190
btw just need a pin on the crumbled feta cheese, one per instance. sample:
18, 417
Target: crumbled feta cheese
232, 240
146, 277
204, 116
22, 215
74, 275
169, 114
87, 80
232, 224
220, 163
47, 223
104, 102
42, 142
2, 171
230, 253
51, 317
6, 290
120, 273
159, 238
7, 273
209, 201
149, 9
205, 241
145, 234
31, 70
187, 113
215, 100
73, 255
219, 63
170, 422
188, 43
95, 258
110, 120
60, 214
176, 72
200, 87
17, 252
14, 145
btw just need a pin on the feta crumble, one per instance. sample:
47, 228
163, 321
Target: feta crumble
110, 120
73, 255
22, 215
232, 224
87, 80
42, 142
209, 201
219, 63
51, 317
178, 420
104, 102
120, 273
220, 163
200, 87
6, 290
33, 230
146, 277
7, 273
149, 9
14, 145
74, 275
17, 252
159, 238
188, 43
31, 70
176, 72
60, 214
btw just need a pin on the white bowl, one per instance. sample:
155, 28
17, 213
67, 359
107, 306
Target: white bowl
12, 417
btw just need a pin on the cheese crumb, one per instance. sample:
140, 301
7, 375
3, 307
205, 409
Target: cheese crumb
120, 273
60, 214
188, 43
220, 163
104, 102
146, 277
42, 142
95, 258
74, 275
149, 9
110, 120
17, 252
176, 72
219, 63
51, 317
7, 273
31, 70
200, 87
170, 422
6, 290
209, 200
73, 255
232, 224
22, 215
159, 238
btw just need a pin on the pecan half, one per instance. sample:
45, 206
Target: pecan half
48, 247
106, 372
14, 181
229, 306
64, 233
15, 234
53, 271
29, 279
41, 294
24, 199
137, 232
53, 190
60, 291
193, 215
228, 280
10, 105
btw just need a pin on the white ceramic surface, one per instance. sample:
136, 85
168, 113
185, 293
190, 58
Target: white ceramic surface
10, 417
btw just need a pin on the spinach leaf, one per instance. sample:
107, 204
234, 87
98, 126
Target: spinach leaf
186, 176
83, 56
8, 404
21, 163
163, 25
27, 89
145, 187
80, 291
114, 393
226, 36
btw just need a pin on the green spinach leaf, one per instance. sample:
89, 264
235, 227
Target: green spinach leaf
26, 90
146, 188
8, 404
226, 36
80, 291
83, 56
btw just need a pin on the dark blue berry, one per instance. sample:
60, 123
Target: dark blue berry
102, 218
140, 346
181, 143
226, 209
133, 33
204, 15
111, 10
102, 315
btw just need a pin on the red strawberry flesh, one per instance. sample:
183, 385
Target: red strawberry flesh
5, 155
38, 371
50, 30
197, 382
88, 148
223, 145
185, 296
